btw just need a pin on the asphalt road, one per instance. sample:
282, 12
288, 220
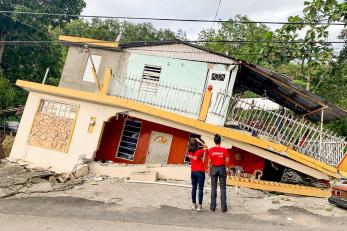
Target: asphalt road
72, 213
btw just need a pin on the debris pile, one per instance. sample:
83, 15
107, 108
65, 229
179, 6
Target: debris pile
19, 179
292, 177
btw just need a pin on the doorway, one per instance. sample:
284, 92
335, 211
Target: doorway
159, 148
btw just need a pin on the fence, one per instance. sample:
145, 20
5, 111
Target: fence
283, 127
180, 99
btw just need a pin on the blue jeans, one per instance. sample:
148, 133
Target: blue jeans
198, 179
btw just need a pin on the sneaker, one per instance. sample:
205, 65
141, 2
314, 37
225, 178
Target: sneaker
213, 209
224, 210
194, 206
199, 208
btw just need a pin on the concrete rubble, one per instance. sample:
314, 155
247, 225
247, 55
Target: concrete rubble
20, 179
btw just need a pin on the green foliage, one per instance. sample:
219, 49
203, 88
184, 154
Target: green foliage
252, 52
6, 91
334, 86
30, 62
109, 30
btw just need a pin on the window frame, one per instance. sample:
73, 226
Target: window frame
120, 141
219, 74
86, 66
150, 79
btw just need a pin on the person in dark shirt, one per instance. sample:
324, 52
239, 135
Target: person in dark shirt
196, 155
218, 169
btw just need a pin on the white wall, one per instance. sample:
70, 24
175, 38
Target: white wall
82, 142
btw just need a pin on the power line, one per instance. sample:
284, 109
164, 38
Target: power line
173, 19
25, 24
215, 17
148, 43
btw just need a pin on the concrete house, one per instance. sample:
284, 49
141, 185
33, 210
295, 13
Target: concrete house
142, 101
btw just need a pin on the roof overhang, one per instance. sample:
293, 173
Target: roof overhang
280, 89
80, 41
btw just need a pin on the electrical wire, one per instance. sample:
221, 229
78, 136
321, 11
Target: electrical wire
200, 52
215, 16
25, 24
148, 43
173, 19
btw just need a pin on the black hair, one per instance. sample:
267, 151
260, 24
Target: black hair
217, 139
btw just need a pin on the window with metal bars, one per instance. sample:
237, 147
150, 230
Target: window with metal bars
130, 137
218, 77
150, 79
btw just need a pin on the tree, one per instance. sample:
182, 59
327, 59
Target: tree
29, 62
252, 52
109, 30
334, 86
313, 51
7, 92
12, 24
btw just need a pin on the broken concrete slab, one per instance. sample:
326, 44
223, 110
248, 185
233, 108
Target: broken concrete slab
150, 176
52, 179
174, 172
16, 178
81, 171
42, 187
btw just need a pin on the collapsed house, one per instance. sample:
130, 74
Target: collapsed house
138, 103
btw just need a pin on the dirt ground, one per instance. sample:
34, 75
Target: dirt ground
95, 203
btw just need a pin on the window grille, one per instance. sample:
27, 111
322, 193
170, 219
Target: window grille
129, 140
218, 77
150, 79
58, 109
88, 74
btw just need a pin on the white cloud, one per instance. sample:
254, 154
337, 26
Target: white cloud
258, 10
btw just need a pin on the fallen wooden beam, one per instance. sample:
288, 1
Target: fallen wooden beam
278, 187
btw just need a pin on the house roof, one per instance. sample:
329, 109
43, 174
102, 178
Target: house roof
179, 50
283, 91
157, 43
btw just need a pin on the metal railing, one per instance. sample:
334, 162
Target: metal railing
283, 127
220, 103
180, 99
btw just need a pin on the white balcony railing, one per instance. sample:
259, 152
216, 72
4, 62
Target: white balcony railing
180, 99
284, 127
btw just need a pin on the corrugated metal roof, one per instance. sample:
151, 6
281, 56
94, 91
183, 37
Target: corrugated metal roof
283, 91
180, 51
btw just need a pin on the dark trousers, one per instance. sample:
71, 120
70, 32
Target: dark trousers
218, 172
198, 180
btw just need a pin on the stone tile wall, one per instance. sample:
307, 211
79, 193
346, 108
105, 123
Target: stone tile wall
51, 132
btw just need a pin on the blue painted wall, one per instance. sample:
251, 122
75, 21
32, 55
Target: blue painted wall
180, 73
175, 71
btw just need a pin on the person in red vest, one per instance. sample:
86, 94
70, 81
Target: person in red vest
218, 169
196, 155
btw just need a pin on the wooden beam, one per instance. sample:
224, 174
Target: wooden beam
278, 187
282, 83
315, 111
290, 100
106, 82
101, 43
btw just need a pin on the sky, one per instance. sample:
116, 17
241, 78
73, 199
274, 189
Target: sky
257, 10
